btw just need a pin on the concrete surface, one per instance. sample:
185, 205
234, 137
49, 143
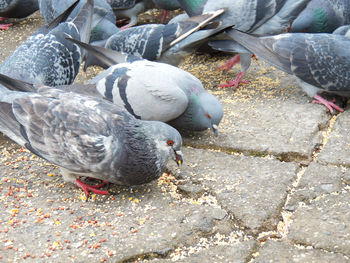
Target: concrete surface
273, 187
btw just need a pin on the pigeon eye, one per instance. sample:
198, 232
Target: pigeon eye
207, 114
170, 143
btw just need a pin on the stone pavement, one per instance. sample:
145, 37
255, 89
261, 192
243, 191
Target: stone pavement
272, 187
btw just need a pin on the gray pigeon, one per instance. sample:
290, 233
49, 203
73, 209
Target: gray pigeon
170, 95
320, 62
130, 9
47, 57
16, 9
87, 136
322, 16
103, 19
260, 17
157, 41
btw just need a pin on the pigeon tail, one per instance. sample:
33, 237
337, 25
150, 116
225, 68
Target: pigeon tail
83, 21
106, 56
9, 125
200, 21
62, 17
16, 85
258, 48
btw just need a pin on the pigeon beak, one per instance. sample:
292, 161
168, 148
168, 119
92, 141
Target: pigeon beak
215, 129
178, 155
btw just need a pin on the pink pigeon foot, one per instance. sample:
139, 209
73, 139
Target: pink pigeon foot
329, 104
125, 27
230, 63
164, 15
92, 188
5, 26
235, 82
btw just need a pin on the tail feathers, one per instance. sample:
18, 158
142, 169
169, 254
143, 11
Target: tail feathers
195, 23
9, 125
91, 60
83, 21
106, 56
227, 46
16, 85
262, 47
62, 17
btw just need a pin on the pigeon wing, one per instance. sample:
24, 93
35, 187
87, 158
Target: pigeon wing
148, 90
67, 130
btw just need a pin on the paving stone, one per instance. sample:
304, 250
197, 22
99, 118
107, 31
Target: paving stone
251, 189
41, 214
318, 180
286, 129
336, 151
281, 251
48, 219
270, 115
325, 224
237, 253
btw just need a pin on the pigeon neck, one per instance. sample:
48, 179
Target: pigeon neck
322, 20
193, 7
142, 162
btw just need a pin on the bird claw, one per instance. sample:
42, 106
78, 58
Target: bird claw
230, 63
329, 104
235, 82
5, 26
92, 188
125, 27
164, 15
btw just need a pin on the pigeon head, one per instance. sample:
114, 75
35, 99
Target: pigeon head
204, 111
212, 110
317, 17
167, 139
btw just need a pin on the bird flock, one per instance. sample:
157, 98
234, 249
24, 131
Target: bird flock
124, 125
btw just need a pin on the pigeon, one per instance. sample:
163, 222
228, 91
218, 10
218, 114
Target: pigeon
157, 41
322, 16
130, 9
47, 57
166, 5
103, 19
259, 17
16, 9
171, 95
319, 61
87, 136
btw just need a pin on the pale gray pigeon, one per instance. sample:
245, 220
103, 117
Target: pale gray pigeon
47, 57
260, 17
16, 9
157, 41
322, 16
130, 9
153, 91
86, 136
320, 62
103, 18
